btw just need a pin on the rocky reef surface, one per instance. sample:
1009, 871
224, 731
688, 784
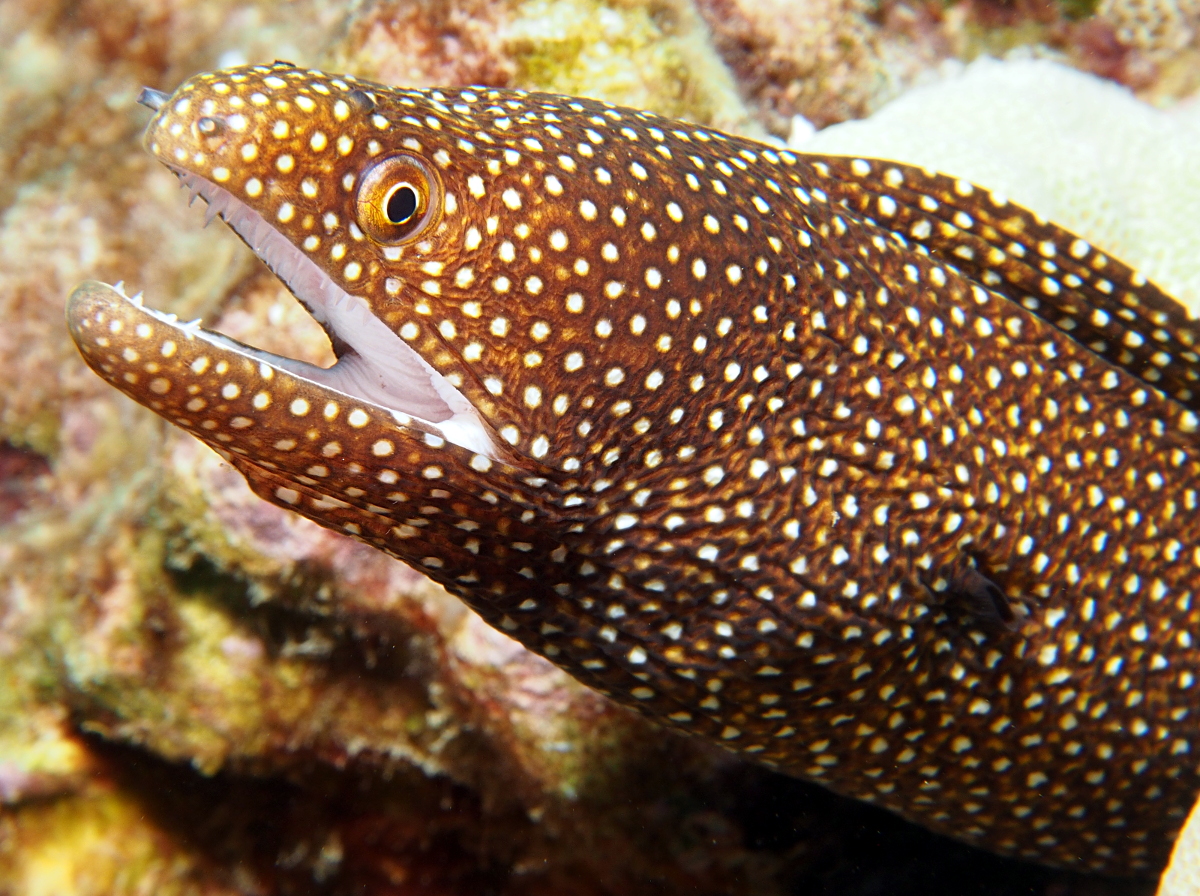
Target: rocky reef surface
202, 694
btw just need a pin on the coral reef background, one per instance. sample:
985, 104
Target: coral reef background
202, 694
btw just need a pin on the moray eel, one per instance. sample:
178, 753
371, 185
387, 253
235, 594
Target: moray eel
857, 470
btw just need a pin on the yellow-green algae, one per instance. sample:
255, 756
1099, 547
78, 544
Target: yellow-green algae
182, 674
101, 844
39, 756
650, 55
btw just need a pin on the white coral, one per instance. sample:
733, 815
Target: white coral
1078, 150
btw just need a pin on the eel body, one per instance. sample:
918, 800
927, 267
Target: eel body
857, 470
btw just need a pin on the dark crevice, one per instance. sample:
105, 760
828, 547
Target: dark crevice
351, 831
22, 477
832, 846
300, 619
724, 825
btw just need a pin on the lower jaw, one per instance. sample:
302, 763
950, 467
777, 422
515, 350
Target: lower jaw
142, 352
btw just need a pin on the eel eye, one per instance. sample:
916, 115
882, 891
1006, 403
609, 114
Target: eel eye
398, 198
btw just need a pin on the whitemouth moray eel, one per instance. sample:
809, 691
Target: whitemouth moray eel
854, 469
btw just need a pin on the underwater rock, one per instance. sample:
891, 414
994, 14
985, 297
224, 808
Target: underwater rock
651, 55
1159, 27
820, 58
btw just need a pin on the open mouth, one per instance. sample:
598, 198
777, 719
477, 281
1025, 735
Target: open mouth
375, 365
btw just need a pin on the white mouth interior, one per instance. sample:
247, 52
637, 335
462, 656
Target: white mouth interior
379, 366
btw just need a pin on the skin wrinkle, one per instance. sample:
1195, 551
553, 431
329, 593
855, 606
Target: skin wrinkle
855, 469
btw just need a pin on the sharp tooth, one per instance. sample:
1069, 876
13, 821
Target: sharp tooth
259, 235
120, 287
137, 299
194, 188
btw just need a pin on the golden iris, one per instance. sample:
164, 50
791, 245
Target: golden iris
397, 199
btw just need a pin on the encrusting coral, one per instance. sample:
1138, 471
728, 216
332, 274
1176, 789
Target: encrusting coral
1159, 27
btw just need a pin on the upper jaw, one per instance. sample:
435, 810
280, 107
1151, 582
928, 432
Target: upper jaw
374, 363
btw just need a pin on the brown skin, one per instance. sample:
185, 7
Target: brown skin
788, 457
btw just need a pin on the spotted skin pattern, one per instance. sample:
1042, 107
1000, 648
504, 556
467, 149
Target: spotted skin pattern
854, 469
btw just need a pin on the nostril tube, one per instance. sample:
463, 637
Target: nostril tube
152, 99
